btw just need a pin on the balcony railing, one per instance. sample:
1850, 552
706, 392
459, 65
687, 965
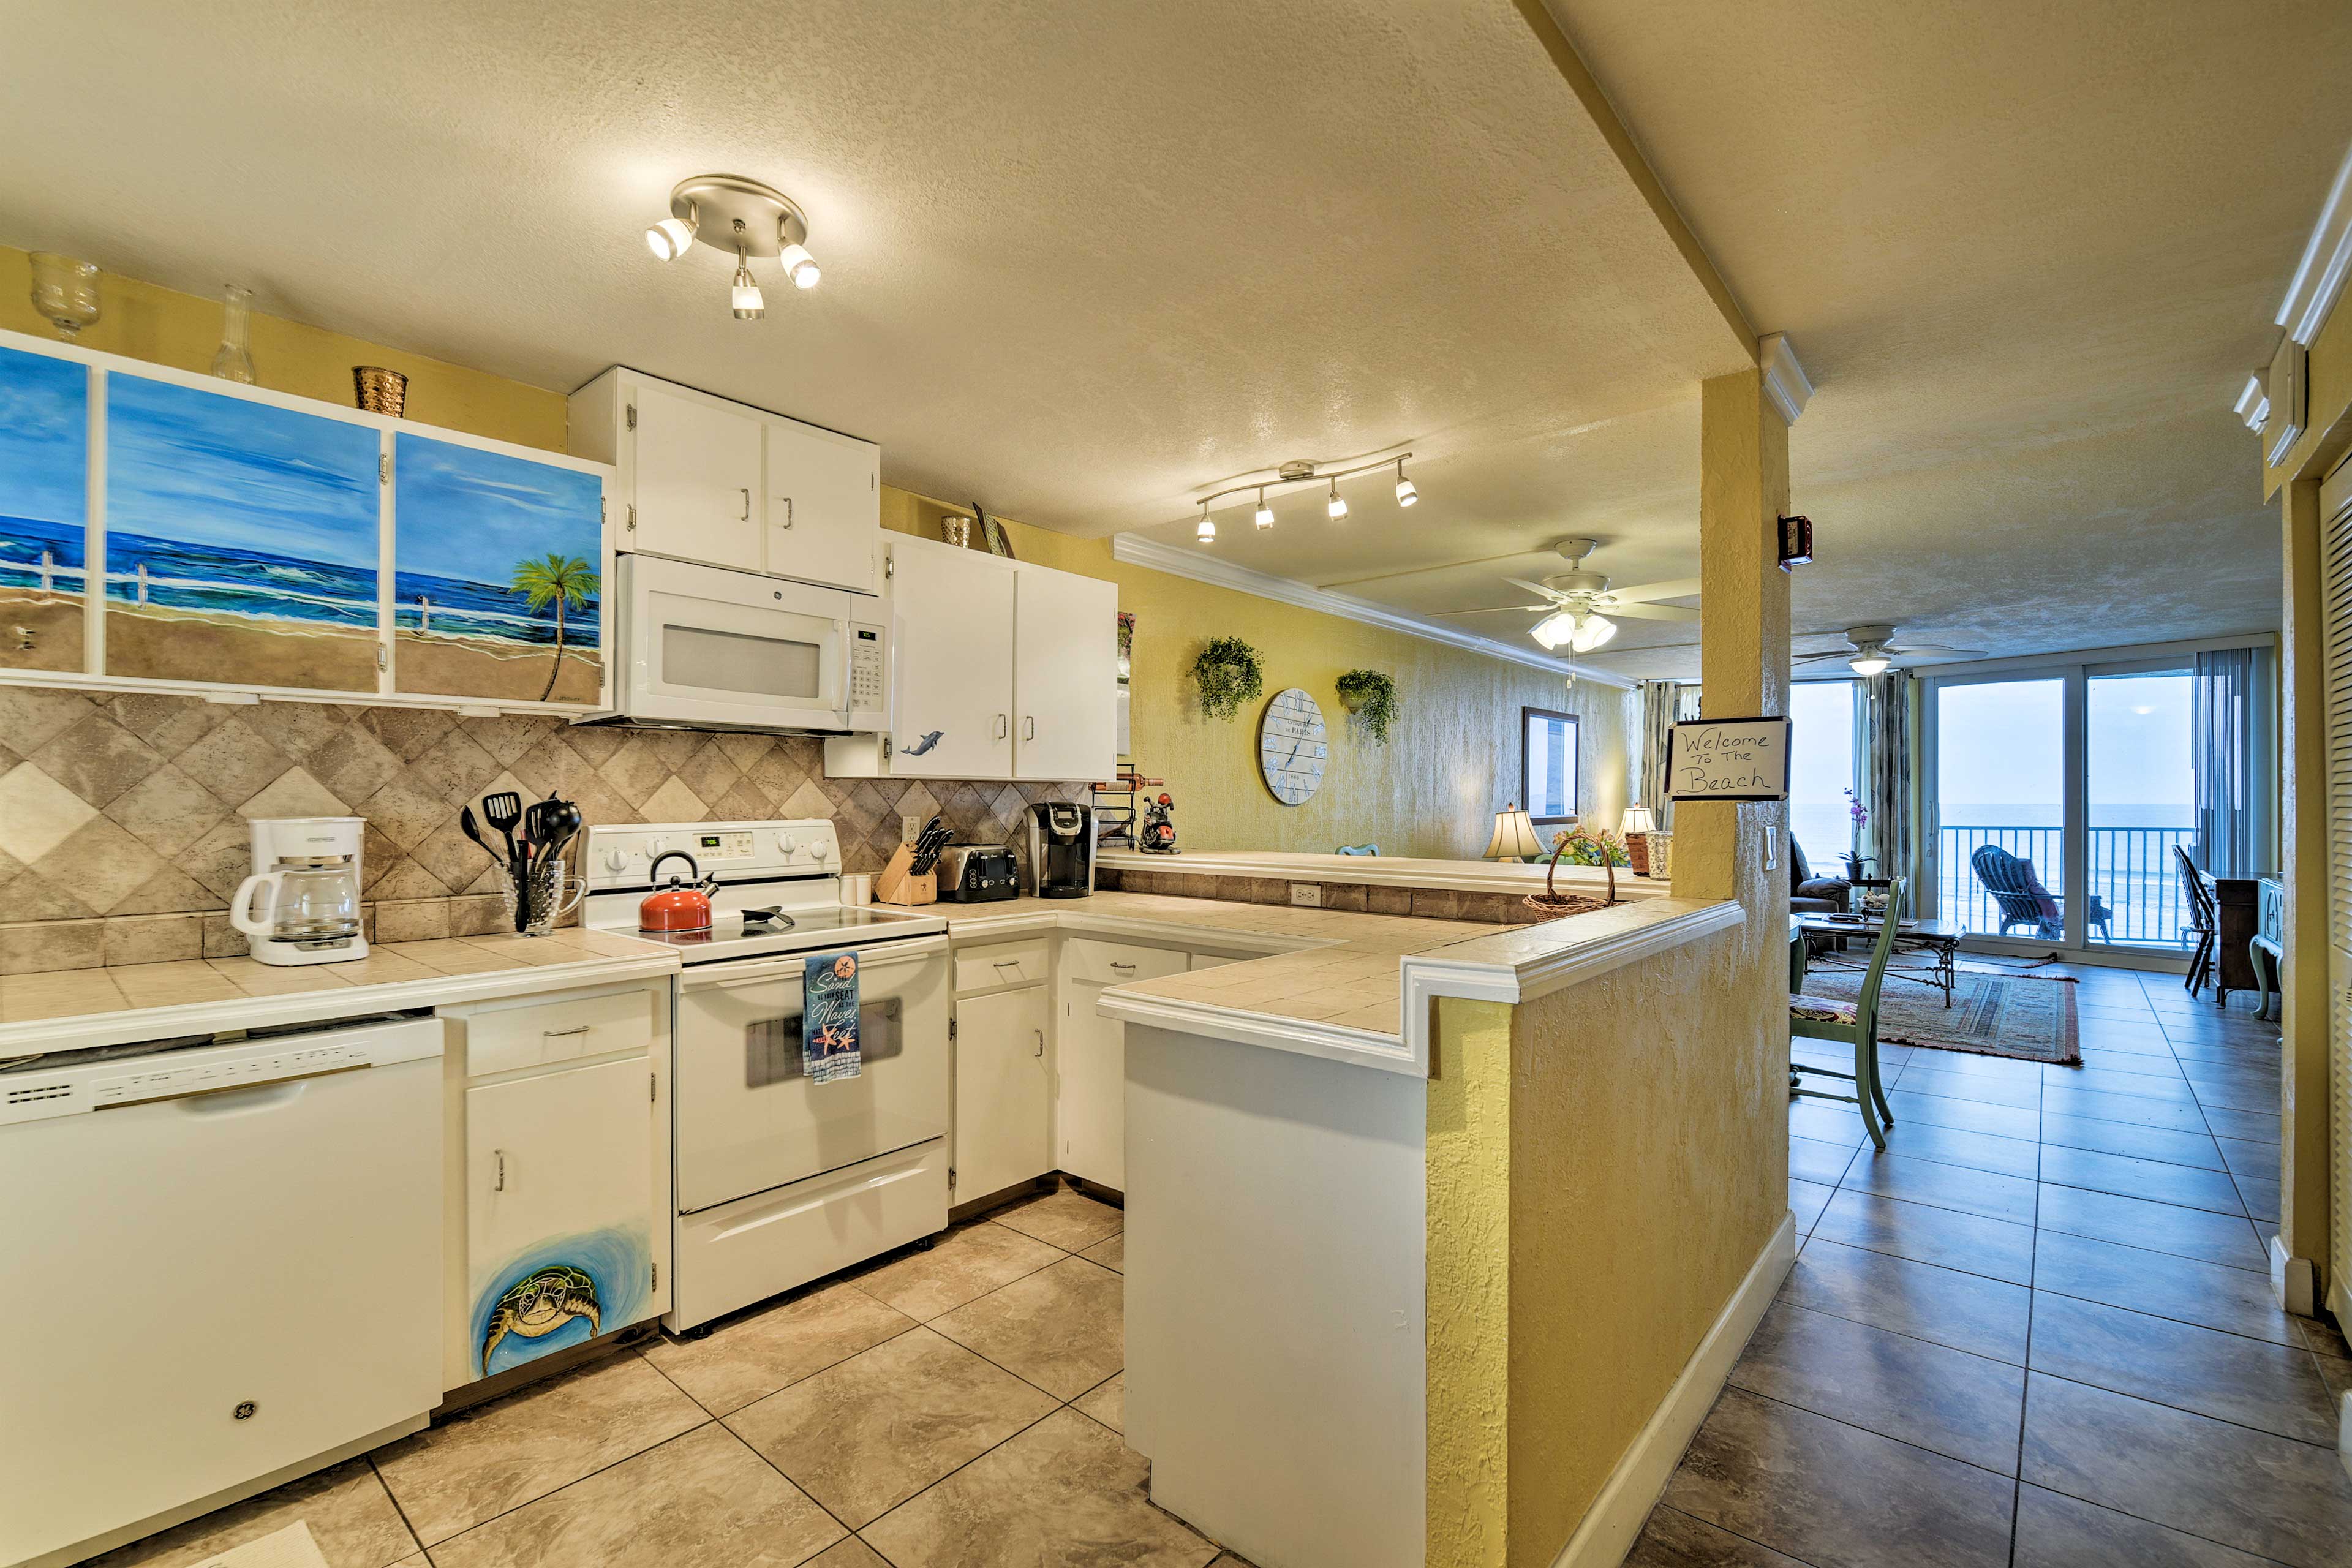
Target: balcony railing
2131, 875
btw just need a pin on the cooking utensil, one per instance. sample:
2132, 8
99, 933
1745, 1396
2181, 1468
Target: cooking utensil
927, 845
502, 811
681, 906
474, 831
771, 918
549, 825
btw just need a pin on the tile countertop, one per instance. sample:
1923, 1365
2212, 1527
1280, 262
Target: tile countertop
73, 1009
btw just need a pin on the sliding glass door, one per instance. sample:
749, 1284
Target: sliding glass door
2142, 797
1998, 788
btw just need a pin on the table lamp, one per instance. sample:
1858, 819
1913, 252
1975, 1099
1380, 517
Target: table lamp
1515, 835
1637, 827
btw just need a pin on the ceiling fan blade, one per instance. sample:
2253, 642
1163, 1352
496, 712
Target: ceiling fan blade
1650, 612
1815, 658
1680, 588
1933, 655
1496, 610
1552, 594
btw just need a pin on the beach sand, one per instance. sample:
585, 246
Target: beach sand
150, 642
51, 622
469, 667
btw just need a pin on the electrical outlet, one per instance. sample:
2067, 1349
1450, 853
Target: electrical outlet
1307, 895
909, 829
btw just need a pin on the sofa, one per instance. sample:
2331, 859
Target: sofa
1808, 894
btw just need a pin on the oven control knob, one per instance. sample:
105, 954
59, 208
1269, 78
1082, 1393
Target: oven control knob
616, 859
787, 843
822, 848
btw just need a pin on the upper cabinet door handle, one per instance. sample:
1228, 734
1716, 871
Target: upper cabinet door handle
788, 510
747, 503
1029, 727
1002, 726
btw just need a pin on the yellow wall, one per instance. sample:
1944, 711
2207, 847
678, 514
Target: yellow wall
163, 326
1597, 1193
1451, 761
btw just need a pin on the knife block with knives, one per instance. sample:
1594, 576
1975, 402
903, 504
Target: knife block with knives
912, 877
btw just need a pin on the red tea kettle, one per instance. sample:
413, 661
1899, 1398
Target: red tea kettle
682, 906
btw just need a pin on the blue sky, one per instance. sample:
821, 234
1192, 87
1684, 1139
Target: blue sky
44, 438
467, 513
204, 469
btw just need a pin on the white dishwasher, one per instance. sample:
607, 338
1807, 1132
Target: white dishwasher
217, 1263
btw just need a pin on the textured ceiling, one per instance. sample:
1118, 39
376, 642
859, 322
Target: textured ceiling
1079, 259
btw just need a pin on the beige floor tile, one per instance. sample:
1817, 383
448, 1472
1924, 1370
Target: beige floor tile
1067, 1219
866, 1434
351, 1518
850, 1554
1063, 1328
752, 1357
961, 1266
1107, 1404
700, 1499
500, 1456
1067, 1493
1111, 1252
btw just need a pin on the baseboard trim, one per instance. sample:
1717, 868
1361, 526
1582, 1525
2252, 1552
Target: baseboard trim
1614, 1521
2294, 1280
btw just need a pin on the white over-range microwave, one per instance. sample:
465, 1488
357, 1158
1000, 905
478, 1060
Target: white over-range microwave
712, 648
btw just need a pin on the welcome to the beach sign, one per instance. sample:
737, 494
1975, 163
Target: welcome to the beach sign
1728, 759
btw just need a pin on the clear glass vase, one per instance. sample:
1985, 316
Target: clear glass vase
233, 361
65, 292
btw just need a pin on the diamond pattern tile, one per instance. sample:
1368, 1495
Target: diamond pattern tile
38, 813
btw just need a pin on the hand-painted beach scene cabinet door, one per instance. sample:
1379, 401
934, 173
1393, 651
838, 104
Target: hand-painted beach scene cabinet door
241, 541
44, 509
498, 574
559, 1219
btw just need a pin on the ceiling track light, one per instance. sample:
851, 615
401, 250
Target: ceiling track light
728, 212
1300, 472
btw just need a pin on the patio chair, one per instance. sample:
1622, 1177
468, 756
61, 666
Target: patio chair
2017, 889
2202, 924
1854, 1024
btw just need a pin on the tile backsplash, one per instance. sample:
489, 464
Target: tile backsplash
121, 830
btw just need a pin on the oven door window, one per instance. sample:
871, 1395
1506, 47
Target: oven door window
771, 1047
738, 662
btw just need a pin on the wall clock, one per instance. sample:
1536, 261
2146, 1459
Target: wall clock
1292, 747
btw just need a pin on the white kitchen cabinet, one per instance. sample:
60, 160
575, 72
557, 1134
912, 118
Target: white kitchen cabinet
1003, 1102
1090, 1054
721, 483
951, 618
824, 510
1064, 675
559, 1210
697, 478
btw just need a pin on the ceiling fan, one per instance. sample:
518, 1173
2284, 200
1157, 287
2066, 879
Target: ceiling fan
1578, 603
1871, 650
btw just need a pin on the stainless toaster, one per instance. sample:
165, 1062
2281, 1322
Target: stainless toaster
978, 873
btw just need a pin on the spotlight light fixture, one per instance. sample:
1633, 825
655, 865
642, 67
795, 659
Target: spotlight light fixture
756, 221
1300, 472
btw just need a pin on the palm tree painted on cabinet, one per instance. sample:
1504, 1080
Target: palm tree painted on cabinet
562, 581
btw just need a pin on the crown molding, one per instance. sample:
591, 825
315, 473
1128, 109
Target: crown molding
1136, 551
1785, 382
2326, 259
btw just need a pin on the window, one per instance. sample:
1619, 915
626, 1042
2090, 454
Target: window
1548, 764
1820, 770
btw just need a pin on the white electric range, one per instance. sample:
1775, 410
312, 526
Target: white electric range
780, 1181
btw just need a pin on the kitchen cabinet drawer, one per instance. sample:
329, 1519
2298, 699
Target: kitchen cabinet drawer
532, 1033
1116, 962
1004, 963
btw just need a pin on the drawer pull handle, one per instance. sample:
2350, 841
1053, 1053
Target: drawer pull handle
1012, 963
1117, 964
501, 1184
559, 1034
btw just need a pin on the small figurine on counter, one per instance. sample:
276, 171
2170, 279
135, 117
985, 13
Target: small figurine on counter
1158, 833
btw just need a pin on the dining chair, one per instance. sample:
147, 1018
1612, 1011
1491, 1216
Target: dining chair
2202, 924
1854, 1024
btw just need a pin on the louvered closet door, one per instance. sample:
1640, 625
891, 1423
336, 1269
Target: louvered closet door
2336, 609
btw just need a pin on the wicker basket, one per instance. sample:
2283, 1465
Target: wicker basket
379, 391
1551, 905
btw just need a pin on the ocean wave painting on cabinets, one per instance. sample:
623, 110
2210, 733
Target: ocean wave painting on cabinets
497, 577
44, 509
241, 541
560, 1293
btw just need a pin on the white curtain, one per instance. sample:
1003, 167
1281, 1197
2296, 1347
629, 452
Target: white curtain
1886, 776
2228, 731
1658, 719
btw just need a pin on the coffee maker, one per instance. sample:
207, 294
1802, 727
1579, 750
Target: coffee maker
1061, 850
301, 905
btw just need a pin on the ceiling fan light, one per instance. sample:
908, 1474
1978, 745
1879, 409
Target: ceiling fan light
1554, 630
1591, 632
1264, 513
669, 238
1867, 664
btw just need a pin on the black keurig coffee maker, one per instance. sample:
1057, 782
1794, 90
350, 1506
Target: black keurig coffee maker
1061, 850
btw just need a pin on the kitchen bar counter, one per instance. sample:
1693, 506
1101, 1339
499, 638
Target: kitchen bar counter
73, 1009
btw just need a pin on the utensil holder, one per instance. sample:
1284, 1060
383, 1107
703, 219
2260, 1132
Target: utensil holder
533, 901
898, 884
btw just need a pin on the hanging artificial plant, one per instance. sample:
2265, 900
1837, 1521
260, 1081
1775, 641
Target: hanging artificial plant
1371, 696
1228, 674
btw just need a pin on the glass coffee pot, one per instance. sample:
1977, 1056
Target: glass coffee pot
301, 905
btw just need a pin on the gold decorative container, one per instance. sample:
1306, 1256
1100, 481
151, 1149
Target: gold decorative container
379, 391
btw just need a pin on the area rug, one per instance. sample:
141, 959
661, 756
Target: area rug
2030, 1017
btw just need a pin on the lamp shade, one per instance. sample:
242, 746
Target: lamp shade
1637, 820
1514, 837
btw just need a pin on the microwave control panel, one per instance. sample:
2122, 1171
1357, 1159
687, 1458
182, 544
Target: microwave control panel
869, 676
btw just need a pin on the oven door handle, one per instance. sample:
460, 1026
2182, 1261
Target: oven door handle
789, 965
